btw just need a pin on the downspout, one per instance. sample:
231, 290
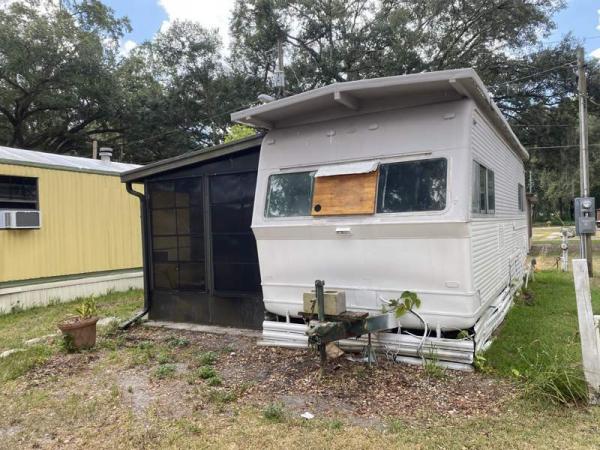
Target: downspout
145, 264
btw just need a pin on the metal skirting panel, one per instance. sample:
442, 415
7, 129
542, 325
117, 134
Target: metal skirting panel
26, 296
451, 353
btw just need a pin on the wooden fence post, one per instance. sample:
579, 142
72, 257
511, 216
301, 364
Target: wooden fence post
590, 344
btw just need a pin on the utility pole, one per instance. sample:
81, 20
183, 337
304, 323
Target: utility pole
279, 78
584, 161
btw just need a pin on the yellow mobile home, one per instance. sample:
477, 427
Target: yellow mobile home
67, 228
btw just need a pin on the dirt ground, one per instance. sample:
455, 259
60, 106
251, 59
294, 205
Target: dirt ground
266, 375
158, 388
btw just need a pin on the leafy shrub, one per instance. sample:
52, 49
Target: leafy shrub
206, 372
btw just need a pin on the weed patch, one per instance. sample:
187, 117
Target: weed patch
274, 412
177, 342
207, 358
164, 371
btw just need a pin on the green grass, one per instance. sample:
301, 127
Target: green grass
539, 343
17, 364
22, 325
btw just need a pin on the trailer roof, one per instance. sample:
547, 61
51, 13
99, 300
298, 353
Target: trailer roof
187, 159
16, 156
351, 96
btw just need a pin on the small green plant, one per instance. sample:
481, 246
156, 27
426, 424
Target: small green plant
463, 334
206, 372
164, 371
432, 367
395, 426
400, 306
145, 345
178, 342
221, 396
67, 344
87, 308
434, 370
164, 358
228, 348
480, 363
214, 381
207, 358
274, 412
335, 424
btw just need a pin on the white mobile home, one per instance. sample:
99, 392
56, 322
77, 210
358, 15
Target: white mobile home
378, 186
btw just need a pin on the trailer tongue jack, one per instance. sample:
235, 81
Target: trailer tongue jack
323, 329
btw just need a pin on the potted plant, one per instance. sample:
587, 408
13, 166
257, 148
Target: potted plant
80, 331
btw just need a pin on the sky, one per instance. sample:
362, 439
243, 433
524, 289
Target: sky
581, 17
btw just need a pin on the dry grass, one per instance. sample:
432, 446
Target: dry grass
150, 388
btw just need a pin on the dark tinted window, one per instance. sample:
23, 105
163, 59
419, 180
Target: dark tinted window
484, 190
521, 197
18, 192
412, 186
289, 194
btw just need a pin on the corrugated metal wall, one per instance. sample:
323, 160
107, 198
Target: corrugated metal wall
499, 243
89, 224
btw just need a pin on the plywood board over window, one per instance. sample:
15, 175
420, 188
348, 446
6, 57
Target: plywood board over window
345, 194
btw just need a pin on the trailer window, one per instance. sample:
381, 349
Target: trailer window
521, 199
484, 190
18, 192
289, 194
412, 186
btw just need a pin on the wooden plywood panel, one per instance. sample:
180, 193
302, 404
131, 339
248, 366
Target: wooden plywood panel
345, 194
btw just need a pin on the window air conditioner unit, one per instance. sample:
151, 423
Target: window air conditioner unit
20, 219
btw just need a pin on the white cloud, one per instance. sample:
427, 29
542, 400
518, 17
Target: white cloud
598, 26
595, 53
209, 13
126, 47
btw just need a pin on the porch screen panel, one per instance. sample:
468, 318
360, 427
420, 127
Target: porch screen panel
178, 252
235, 259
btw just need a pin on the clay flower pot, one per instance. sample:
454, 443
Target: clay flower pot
81, 331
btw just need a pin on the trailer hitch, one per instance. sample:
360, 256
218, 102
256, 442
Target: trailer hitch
324, 329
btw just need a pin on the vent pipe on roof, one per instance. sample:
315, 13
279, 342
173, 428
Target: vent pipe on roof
105, 154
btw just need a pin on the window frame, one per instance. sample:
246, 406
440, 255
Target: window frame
520, 197
476, 186
396, 159
413, 213
35, 203
267, 197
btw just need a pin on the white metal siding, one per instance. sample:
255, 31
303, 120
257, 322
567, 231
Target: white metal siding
499, 241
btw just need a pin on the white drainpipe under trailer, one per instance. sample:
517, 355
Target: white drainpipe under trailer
406, 183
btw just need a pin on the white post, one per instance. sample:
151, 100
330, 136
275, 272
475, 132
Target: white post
590, 345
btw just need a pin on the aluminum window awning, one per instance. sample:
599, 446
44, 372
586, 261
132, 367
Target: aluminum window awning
347, 169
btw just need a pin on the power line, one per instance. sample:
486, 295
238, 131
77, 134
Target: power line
541, 73
545, 125
555, 146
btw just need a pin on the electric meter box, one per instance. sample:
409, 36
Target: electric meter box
585, 215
